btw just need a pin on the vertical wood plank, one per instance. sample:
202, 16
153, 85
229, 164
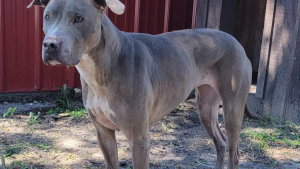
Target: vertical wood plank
292, 107
137, 15
2, 46
265, 47
38, 52
167, 15
202, 9
214, 14
258, 27
194, 15
248, 27
282, 56
227, 20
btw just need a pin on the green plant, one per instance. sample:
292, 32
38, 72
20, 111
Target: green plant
287, 142
267, 120
69, 157
51, 111
33, 119
77, 113
55, 111
42, 146
64, 100
10, 112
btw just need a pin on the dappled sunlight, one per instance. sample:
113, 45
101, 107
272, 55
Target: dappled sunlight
283, 154
71, 143
252, 89
11, 126
283, 41
178, 140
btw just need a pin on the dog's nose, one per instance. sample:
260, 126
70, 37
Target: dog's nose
51, 44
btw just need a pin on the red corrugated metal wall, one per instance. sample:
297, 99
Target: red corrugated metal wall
21, 35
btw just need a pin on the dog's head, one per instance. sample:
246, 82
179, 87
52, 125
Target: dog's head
72, 27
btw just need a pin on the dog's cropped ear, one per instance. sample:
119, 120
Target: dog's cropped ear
114, 5
42, 3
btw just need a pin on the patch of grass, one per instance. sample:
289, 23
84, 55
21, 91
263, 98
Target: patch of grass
286, 134
77, 113
33, 119
51, 111
42, 146
55, 111
267, 120
64, 101
273, 137
10, 112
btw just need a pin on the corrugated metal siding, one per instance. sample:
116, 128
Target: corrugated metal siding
21, 36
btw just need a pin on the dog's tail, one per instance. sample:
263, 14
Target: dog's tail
252, 115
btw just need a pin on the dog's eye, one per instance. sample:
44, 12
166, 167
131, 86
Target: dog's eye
47, 17
78, 19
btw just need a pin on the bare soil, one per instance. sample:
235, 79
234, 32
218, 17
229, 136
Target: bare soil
177, 142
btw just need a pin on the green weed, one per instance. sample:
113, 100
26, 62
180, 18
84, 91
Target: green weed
33, 119
77, 113
64, 101
42, 146
69, 157
10, 112
55, 111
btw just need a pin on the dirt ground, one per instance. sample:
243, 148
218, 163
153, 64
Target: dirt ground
177, 142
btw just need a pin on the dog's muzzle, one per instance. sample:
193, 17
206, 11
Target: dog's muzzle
51, 50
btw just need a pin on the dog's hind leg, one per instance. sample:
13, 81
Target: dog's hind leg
233, 88
208, 104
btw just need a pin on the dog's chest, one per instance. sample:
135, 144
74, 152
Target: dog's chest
99, 107
96, 100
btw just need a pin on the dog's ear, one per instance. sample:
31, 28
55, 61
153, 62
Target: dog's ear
42, 3
114, 5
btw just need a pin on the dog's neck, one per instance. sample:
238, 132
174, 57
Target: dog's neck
96, 66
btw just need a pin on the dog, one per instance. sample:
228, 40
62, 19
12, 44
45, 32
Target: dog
130, 80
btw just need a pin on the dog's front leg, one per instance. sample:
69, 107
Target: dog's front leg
108, 144
139, 141
140, 152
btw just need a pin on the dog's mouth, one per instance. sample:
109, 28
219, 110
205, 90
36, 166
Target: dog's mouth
55, 62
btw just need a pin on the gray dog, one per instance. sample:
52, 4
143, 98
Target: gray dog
130, 81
